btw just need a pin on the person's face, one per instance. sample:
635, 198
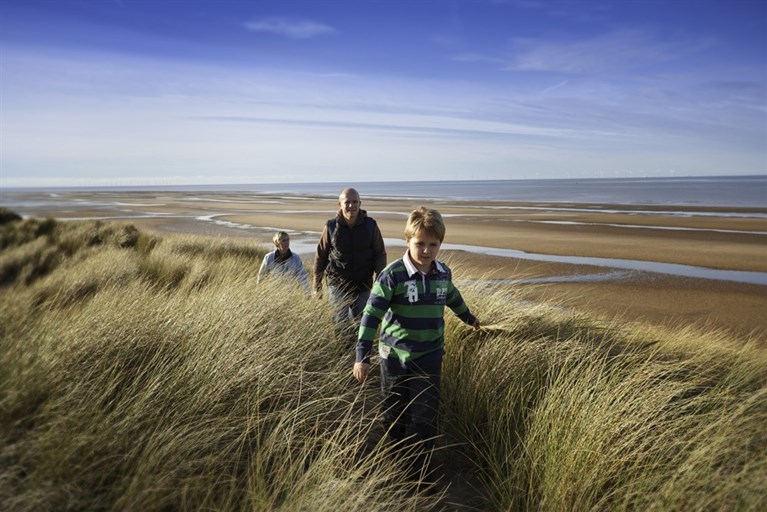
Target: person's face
283, 244
423, 249
350, 205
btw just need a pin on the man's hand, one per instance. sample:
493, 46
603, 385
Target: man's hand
360, 371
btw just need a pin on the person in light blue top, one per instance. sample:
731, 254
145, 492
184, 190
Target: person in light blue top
282, 261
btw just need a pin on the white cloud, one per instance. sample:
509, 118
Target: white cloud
292, 28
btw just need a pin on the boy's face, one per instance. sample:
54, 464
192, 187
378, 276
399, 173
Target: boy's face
423, 249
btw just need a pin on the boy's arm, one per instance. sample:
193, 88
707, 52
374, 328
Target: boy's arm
378, 303
456, 303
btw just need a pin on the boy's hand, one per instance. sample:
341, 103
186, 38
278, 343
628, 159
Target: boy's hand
361, 371
475, 326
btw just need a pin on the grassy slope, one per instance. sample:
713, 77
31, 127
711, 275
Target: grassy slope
140, 372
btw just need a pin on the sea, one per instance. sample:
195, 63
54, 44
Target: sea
743, 191
735, 191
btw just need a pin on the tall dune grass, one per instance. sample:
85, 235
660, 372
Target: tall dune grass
561, 412
148, 372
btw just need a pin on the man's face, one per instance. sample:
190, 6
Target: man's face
350, 205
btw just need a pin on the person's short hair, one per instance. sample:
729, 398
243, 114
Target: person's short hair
425, 220
278, 235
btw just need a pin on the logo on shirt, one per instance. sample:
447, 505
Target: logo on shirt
441, 294
412, 291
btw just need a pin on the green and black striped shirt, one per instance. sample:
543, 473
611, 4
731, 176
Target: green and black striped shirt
410, 307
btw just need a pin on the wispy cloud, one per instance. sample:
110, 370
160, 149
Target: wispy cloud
478, 57
292, 28
576, 10
410, 124
553, 87
609, 52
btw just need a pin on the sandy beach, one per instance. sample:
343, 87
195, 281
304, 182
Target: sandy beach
665, 269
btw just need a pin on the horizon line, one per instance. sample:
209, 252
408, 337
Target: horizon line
272, 183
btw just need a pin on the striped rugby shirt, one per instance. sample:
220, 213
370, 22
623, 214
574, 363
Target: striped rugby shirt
410, 307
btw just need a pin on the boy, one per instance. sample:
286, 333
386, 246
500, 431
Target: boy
410, 296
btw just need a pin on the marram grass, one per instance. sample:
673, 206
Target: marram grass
148, 372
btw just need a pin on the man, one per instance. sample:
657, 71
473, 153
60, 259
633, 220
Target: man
350, 251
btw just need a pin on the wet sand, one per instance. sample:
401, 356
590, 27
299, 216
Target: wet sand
702, 237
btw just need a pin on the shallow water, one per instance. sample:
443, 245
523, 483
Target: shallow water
309, 246
740, 276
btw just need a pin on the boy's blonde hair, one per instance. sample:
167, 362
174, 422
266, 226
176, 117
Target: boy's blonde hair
278, 235
425, 220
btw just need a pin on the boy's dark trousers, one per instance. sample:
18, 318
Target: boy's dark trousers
410, 408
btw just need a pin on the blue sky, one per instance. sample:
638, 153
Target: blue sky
153, 92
